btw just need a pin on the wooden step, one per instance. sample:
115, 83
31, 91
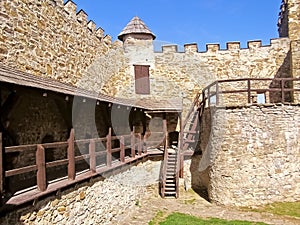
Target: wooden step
170, 189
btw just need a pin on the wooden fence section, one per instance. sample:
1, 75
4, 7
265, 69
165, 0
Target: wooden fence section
247, 90
130, 148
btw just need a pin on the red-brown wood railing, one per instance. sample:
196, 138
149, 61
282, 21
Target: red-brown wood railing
281, 86
134, 142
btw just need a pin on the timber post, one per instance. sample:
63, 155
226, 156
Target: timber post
41, 168
71, 156
2, 173
108, 148
133, 142
122, 147
92, 153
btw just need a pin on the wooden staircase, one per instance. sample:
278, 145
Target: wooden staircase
191, 127
170, 174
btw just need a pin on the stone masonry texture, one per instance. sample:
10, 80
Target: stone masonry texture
251, 154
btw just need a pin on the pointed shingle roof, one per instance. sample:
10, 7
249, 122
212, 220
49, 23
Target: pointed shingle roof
135, 26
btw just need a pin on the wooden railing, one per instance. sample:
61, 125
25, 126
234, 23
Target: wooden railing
133, 143
279, 90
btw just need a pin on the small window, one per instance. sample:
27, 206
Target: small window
142, 80
261, 98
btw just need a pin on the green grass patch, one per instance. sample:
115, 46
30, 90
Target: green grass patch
160, 215
183, 219
281, 208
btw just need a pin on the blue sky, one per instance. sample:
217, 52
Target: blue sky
190, 21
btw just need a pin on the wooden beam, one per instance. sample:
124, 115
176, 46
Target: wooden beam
41, 168
122, 146
92, 151
2, 175
133, 142
108, 148
71, 156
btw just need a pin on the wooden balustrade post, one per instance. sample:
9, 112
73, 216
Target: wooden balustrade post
2, 175
165, 129
140, 145
122, 147
249, 90
41, 168
217, 94
108, 148
71, 156
282, 91
144, 145
92, 152
133, 143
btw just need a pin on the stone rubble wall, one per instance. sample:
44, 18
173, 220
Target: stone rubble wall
176, 74
252, 154
49, 38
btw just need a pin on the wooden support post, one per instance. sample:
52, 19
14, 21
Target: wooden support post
144, 146
133, 143
249, 90
71, 156
180, 149
282, 90
217, 94
41, 168
122, 147
208, 97
108, 148
140, 145
92, 152
2, 174
165, 129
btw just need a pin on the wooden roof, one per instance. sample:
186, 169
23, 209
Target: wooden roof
13, 76
135, 26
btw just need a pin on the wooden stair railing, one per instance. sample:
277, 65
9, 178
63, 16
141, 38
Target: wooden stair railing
190, 124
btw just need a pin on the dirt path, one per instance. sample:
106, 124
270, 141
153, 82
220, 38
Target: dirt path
191, 203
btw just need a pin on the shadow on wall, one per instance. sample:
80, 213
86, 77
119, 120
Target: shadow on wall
200, 176
283, 72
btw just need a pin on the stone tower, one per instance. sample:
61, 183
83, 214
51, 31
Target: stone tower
137, 40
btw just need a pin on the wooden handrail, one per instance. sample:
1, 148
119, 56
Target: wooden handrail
250, 87
41, 165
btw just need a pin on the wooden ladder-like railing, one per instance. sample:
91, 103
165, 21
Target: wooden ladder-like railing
191, 125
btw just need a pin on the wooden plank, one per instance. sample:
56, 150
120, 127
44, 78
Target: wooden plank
249, 91
55, 145
122, 147
140, 144
2, 170
217, 93
71, 156
108, 148
22, 170
41, 168
133, 143
82, 157
57, 163
20, 148
92, 150
282, 91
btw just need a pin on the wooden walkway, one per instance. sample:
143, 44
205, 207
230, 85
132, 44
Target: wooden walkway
132, 149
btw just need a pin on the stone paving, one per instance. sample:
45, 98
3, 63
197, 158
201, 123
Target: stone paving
130, 197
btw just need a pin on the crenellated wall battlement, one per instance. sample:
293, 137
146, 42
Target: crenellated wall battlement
50, 38
230, 46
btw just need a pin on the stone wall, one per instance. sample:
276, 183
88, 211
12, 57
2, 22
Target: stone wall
176, 74
49, 38
251, 154
294, 35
